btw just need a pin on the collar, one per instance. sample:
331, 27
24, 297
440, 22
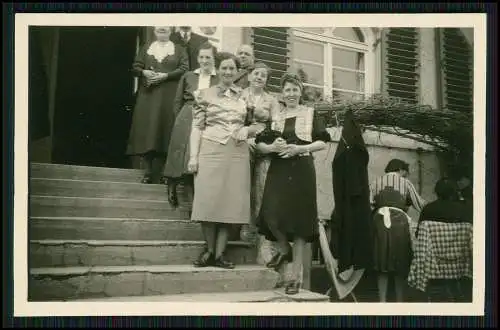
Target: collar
198, 72
188, 34
223, 90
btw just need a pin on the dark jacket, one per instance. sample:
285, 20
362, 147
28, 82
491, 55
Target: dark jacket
192, 47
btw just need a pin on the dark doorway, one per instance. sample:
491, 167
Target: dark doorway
94, 96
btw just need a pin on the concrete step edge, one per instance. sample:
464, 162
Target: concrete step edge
136, 184
54, 166
99, 199
118, 219
158, 269
136, 243
248, 296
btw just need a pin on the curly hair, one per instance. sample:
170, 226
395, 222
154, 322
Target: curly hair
222, 56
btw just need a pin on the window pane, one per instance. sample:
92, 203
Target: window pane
353, 34
348, 59
312, 74
353, 81
346, 96
307, 50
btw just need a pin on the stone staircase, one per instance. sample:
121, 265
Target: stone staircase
97, 234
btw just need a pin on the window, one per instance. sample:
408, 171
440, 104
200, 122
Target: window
456, 70
401, 62
331, 61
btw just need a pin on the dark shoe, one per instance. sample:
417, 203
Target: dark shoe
292, 288
172, 195
206, 259
279, 259
148, 178
163, 180
221, 263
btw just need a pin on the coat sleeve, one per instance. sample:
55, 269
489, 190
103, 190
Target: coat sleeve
183, 64
179, 95
139, 62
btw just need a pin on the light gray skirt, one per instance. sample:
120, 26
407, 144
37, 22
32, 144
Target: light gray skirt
222, 184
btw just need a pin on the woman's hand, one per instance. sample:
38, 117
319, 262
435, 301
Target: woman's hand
157, 78
148, 74
251, 144
192, 166
278, 145
291, 150
241, 134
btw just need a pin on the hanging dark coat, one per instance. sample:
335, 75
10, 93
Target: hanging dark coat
351, 244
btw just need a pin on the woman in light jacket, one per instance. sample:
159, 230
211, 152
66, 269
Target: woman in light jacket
220, 157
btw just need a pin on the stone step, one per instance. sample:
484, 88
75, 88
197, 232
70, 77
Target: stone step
101, 189
90, 228
74, 172
58, 206
70, 283
72, 253
241, 297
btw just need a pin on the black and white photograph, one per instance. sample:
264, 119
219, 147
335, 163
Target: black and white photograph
319, 160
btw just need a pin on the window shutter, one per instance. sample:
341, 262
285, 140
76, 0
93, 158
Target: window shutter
401, 62
270, 46
456, 70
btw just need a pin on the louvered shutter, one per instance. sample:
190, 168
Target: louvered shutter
400, 63
456, 70
270, 46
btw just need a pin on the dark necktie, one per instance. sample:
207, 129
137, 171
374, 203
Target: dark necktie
185, 38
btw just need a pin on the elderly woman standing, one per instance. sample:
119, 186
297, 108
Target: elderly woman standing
159, 66
220, 157
289, 208
391, 195
175, 170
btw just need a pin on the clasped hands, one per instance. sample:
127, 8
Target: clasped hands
153, 77
285, 150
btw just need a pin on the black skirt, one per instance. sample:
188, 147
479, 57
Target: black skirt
289, 199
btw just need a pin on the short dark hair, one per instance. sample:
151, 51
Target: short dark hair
208, 45
446, 188
395, 165
222, 56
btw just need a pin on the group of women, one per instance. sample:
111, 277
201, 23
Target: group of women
249, 156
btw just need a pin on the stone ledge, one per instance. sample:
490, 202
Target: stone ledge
66, 284
384, 140
72, 253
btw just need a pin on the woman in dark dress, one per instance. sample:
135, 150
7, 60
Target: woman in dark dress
175, 170
288, 211
159, 66
391, 196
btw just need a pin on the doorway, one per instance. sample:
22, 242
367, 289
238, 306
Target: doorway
95, 95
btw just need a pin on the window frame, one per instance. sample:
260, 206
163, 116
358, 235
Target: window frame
329, 41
